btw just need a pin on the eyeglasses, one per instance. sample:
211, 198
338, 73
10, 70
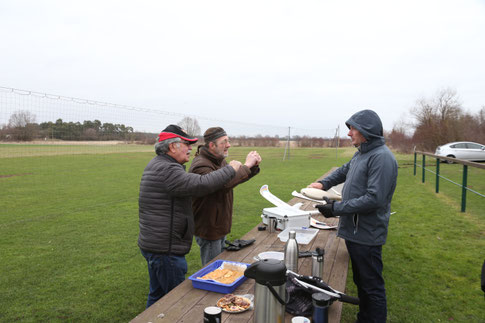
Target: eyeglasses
225, 142
186, 143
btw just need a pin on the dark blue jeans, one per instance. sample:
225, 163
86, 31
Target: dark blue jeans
165, 272
367, 270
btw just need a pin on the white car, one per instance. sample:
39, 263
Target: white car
462, 150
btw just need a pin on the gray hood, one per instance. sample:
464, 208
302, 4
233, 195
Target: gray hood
368, 123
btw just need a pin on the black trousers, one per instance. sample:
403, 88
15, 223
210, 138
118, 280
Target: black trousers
367, 270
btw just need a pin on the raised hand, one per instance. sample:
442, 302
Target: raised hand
235, 164
252, 159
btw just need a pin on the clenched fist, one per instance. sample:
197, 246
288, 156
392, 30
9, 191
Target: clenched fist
252, 159
235, 164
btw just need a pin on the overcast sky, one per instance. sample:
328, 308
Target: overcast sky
303, 64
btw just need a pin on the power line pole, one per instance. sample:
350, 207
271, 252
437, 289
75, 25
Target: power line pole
287, 146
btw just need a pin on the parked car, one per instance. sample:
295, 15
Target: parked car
462, 150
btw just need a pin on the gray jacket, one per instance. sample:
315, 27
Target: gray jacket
165, 204
370, 180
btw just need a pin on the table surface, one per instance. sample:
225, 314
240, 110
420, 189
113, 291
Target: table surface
186, 303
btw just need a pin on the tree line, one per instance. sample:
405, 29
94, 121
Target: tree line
436, 121
22, 127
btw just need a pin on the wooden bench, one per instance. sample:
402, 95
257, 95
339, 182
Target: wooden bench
186, 304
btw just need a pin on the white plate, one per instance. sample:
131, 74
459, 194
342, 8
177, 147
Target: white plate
247, 297
270, 255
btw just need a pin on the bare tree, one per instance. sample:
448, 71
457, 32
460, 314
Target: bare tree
190, 125
438, 119
21, 118
399, 139
481, 122
481, 116
23, 126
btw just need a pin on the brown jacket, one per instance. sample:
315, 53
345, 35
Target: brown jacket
213, 212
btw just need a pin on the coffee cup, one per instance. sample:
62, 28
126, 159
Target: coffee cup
212, 314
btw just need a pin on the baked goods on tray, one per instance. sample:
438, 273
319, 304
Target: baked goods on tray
226, 275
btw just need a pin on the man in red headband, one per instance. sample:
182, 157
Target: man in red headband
165, 208
213, 212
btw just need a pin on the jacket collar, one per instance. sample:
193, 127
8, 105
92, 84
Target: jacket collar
207, 154
371, 144
170, 159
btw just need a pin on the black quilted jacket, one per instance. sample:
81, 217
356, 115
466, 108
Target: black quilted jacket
165, 204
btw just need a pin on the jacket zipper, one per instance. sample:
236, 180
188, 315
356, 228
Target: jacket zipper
356, 215
356, 223
171, 228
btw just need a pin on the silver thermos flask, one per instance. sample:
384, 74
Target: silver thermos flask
269, 290
317, 263
291, 252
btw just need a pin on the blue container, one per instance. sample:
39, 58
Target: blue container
212, 285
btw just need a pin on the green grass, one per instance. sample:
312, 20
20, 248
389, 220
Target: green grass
53, 149
69, 226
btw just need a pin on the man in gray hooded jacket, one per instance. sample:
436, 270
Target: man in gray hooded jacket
370, 180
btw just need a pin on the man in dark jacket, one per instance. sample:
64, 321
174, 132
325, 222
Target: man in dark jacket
213, 212
370, 180
165, 208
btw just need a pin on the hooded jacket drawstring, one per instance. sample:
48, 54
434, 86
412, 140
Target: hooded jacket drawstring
356, 223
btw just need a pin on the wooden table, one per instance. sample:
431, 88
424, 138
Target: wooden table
186, 304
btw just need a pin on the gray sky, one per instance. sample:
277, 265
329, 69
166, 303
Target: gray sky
304, 64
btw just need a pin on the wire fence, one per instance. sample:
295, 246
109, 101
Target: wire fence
45, 107
52, 176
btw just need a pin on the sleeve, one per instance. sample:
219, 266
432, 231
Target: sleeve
242, 175
381, 180
336, 177
181, 183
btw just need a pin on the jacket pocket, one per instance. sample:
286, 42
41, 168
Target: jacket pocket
189, 229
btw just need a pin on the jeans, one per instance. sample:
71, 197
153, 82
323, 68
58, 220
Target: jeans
165, 272
209, 249
367, 270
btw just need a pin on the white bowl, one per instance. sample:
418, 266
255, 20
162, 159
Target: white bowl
270, 255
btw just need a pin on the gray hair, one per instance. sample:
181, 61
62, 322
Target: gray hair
162, 147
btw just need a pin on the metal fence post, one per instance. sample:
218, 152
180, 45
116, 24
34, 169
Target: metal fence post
463, 189
424, 164
415, 154
437, 175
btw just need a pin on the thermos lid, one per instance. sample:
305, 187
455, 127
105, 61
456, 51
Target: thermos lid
270, 271
292, 234
321, 299
319, 252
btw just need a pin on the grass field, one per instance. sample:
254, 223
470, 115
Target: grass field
69, 225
